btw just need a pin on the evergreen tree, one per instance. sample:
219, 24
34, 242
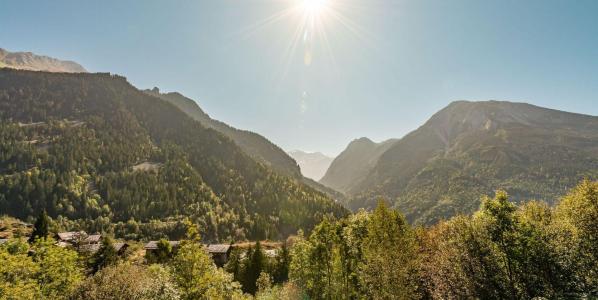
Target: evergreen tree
40, 228
281, 267
105, 256
255, 266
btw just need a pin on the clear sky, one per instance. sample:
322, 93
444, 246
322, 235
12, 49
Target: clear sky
375, 68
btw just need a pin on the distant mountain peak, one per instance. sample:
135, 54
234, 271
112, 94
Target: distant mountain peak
468, 149
313, 164
33, 62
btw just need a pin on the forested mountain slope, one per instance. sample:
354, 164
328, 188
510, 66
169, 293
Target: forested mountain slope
472, 148
351, 167
252, 143
94, 151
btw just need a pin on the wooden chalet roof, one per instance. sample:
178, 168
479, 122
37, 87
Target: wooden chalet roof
152, 245
218, 248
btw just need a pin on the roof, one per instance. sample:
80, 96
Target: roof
119, 246
94, 238
218, 248
70, 235
90, 248
152, 245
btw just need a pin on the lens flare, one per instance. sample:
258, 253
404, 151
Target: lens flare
314, 7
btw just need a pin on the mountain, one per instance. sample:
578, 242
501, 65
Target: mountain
351, 167
98, 154
313, 165
252, 143
468, 149
33, 62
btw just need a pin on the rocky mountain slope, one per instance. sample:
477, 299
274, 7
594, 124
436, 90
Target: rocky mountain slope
472, 148
351, 167
33, 62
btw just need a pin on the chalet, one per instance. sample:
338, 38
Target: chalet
71, 236
120, 247
79, 239
152, 246
219, 253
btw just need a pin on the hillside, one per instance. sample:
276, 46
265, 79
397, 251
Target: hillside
472, 148
313, 165
33, 62
96, 153
351, 167
252, 143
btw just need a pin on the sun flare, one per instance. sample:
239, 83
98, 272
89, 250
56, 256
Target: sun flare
314, 7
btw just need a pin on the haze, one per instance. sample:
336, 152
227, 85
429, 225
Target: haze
386, 66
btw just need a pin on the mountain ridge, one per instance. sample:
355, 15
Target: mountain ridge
33, 62
73, 144
469, 148
351, 166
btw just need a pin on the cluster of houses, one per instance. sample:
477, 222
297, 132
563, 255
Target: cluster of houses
219, 252
83, 242
91, 243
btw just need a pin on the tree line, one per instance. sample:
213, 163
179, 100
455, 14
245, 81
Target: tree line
503, 251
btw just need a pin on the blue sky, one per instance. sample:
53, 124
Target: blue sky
386, 67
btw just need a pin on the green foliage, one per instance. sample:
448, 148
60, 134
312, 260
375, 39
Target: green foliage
254, 265
503, 251
60, 270
69, 144
280, 266
128, 281
18, 273
43, 271
105, 256
364, 256
470, 149
40, 228
576, 221
198, 278
163, 254
390, 264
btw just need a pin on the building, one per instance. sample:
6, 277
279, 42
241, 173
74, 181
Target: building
80, 240
152, 246
219, 253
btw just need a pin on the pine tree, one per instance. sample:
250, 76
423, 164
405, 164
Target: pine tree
105, 256
40, 229
255, 265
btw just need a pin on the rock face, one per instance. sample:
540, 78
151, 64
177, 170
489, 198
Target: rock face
351, 167
33, 62
470, 149
313, 165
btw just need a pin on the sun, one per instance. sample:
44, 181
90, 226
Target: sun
314, 7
